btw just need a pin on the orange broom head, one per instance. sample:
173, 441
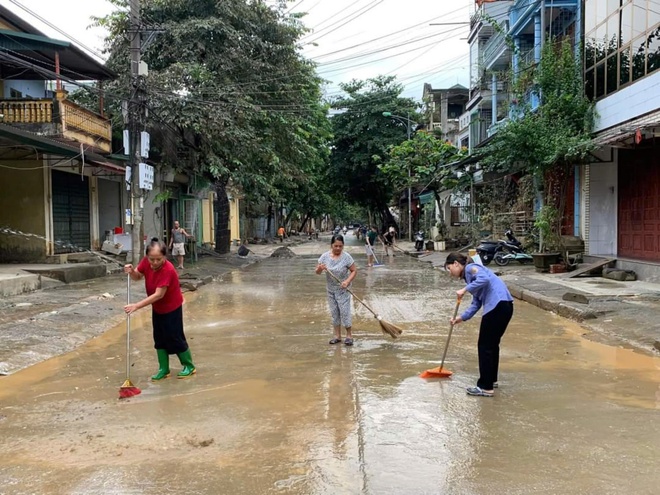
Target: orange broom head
436, 373
128, 390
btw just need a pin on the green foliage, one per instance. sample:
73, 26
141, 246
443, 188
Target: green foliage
547, 223
558, 131
426, 157
362, 137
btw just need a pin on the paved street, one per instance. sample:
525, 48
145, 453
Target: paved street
274, 409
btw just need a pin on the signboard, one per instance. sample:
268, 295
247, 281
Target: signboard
146, 177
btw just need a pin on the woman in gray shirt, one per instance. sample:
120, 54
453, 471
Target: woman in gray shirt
342, 266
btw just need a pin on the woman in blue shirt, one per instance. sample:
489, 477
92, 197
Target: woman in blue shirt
489, 291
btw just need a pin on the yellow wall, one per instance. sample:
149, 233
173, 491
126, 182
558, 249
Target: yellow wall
234, 215
22, 208
207, 221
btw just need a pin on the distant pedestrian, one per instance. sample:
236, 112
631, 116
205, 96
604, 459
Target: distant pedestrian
489, 291
389, 240
342, 266
178, 243
369, 243
164, 296
281, 233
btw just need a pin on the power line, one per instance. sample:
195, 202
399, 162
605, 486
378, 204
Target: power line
358, 14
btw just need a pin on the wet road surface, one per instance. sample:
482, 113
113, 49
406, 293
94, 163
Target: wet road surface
275, 409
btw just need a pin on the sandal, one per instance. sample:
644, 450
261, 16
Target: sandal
335, 341
479, 392
348, 341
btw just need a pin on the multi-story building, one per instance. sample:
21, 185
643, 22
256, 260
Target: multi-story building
443, 107
621, 62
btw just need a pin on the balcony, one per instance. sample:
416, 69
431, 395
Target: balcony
58, 118
495, 47
519, 9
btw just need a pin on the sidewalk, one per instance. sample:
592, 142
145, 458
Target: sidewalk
619, 313
57, 317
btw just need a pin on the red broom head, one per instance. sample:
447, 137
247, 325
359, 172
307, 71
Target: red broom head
127, 392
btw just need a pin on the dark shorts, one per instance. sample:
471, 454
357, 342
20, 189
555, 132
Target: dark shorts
168, 331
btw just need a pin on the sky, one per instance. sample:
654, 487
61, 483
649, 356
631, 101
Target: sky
349, 39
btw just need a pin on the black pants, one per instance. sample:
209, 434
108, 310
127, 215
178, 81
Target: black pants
493, 326
168, 331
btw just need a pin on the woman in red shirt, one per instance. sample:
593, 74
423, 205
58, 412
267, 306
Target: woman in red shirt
164, 296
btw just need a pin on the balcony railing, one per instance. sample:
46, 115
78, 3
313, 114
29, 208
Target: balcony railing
519, 8
495, 44
65, 118
80, 119
26, 111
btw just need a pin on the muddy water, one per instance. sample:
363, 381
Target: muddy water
275, 409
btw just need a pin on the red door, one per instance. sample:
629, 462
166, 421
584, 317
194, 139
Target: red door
639, 204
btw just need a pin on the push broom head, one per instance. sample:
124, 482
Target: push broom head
128, 390
436, 373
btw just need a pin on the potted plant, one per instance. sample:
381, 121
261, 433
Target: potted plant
547, 223
440, 244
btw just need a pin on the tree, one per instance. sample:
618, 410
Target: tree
230, 94
546, 141
362, 136
426, 157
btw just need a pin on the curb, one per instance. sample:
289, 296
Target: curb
549, 304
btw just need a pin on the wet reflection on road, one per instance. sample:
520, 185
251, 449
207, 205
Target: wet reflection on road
275, 409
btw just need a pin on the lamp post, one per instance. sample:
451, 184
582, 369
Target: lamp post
406, 120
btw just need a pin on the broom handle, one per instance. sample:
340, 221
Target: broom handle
128, 327
451, 328
353, 294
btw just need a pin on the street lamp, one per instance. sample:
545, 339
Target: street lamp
408, 122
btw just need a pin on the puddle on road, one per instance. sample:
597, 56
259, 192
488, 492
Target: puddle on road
274, 409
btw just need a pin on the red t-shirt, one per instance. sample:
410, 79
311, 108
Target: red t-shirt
166, 276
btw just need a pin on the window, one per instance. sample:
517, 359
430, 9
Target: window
15, 94
622, 43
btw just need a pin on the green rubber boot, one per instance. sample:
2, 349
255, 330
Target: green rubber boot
163, 365
187, 363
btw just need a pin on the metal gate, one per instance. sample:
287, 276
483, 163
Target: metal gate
639, 204
71, 225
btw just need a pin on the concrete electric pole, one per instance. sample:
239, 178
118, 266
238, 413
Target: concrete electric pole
134, 124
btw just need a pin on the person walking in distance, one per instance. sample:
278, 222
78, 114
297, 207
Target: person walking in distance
178, 243
342, 266
389, 239
489, 291
369, 243
164, 296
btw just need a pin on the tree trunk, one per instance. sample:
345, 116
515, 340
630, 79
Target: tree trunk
302, 225
222, 231
269, 222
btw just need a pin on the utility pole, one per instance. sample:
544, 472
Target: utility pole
134, 124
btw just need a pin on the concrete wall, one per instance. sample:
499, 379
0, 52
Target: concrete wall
603, 206
628, 103
30, 89
22, 207
153, 212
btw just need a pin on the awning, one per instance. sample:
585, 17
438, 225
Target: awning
630, 133
427, 198
56, 147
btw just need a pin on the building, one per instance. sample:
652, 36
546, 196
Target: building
57, 181
443, 107
621, 62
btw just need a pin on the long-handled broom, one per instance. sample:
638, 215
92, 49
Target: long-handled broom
388, 328
441, 372
128, 389
373, 253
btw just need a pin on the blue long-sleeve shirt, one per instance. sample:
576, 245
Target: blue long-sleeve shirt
487, 289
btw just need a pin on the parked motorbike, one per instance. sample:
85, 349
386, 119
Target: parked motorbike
419, 240
511, 250
487, 250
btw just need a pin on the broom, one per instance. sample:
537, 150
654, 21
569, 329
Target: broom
441, 372
388, 328
128, 389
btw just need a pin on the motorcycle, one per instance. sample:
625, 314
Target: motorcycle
419, 240
511, 250
488, 249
